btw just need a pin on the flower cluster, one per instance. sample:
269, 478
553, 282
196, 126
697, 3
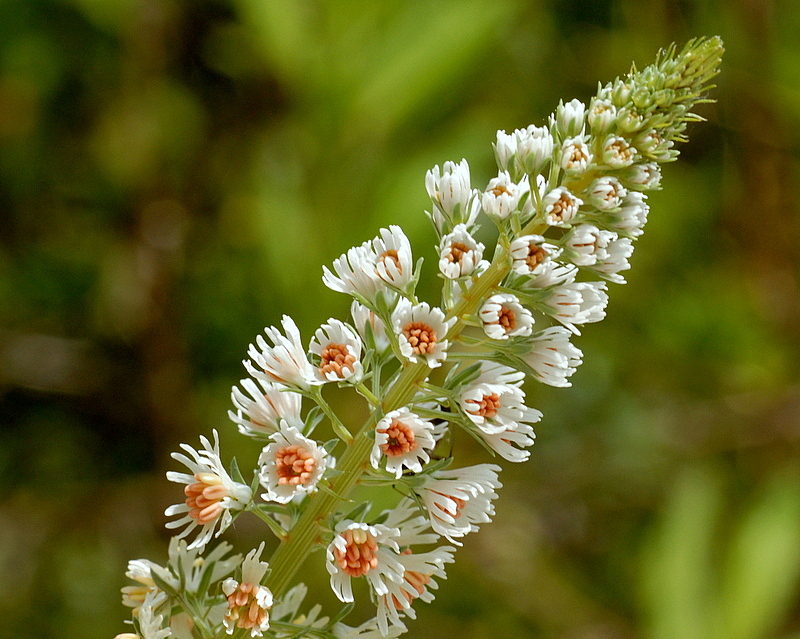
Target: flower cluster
567, 203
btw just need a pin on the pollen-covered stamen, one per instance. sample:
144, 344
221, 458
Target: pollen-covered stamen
506, 318
487, 406
499, 190
204, 496
335, 358
244, 608
561, 207
420, 336
359, 555
620, 150
401, 439
457, 251
576, 157
295, 465
536, 255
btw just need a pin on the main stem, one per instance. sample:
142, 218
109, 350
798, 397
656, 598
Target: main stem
301, 539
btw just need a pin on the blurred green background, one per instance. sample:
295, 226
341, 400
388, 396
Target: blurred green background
173, 174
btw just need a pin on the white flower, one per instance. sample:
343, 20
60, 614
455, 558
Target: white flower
534, 148
645, 176
356, 273
560, 207
503, 316
151, 625
587, 245
404, 439
286, 361
290, 466
260, 413
606, 193
532, 255
502, 196
613, 258
505, 150
602, 114
631, 217
494, 402
577, 303
570, 117
555, 274
421, 332
361, 550
363, 316
512, 442
454, 199
210, 493
459, 500
393, 261
419, 569
248, 602
141, 571
553, 357
617, 153
459, 253
339, 352
575, 155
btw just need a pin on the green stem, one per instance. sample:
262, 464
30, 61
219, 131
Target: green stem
306, 533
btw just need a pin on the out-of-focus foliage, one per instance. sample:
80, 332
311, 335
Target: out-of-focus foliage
173, 174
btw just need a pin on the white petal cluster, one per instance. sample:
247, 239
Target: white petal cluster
503, 196
249, 602
392, 254
361, 550
459, 253
339, 351
404, 440
560, 207
459, 500
577, 303
575, 155
284, 361
524, 151
602, 251
455, 201
211, 493
553, 358
607, 193
290, 466
263, 406
361, 317
502, 316
421, 332
533, 255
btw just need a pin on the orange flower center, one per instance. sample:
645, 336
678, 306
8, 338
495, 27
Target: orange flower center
499, 190
401, 439
536, 255
204, 498
457, 250
420, 336
488, 406
506, 318
560, 207
295, 465
576, 157
336, 358
244, 609
359, 554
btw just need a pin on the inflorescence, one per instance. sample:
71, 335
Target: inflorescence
568, 202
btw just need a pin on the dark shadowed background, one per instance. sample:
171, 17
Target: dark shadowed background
173, 175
